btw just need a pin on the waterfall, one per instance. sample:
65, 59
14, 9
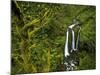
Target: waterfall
71, 45
66, 45
73, 40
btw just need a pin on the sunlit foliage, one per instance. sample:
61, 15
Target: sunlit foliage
39, 32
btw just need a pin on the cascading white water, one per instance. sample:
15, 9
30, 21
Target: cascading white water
71, 45
73, 40
74, 45
66, 45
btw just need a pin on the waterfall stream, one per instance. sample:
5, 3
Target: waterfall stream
71, 41
66, 45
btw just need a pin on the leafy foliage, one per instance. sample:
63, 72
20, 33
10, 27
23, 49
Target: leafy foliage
39, 33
